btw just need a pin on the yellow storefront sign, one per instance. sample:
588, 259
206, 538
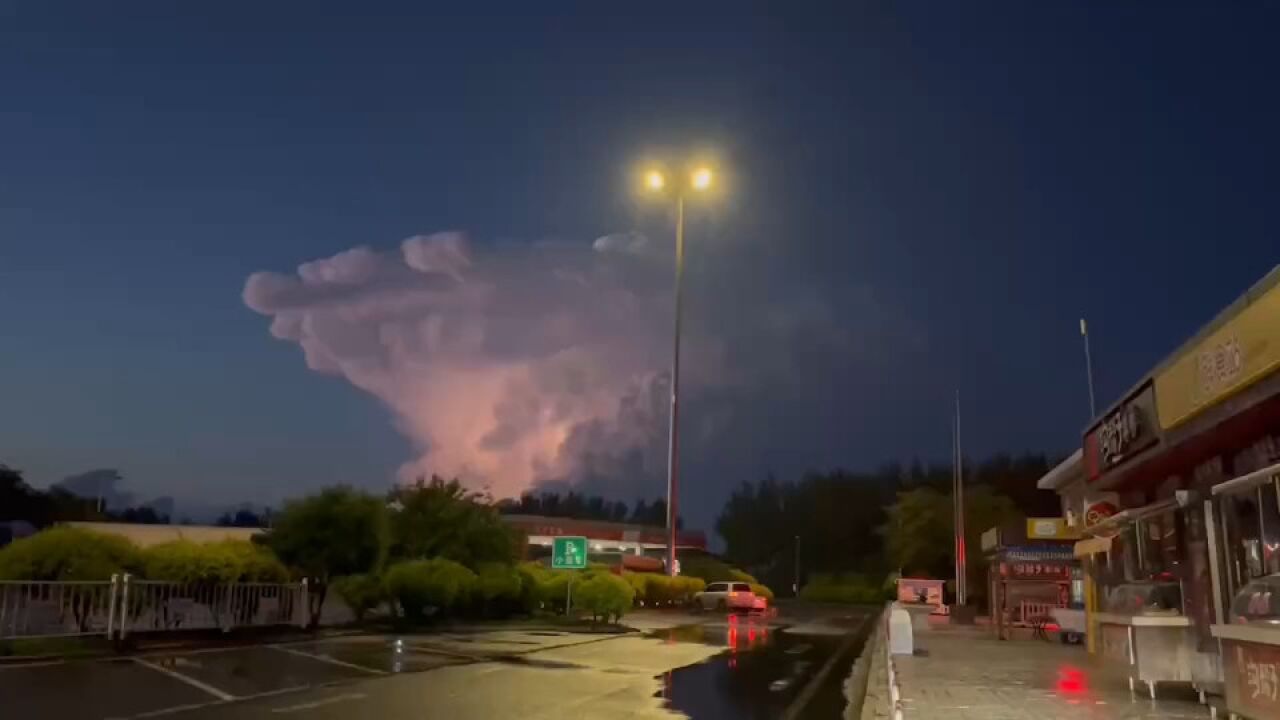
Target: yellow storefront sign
1241, 352
1050, 529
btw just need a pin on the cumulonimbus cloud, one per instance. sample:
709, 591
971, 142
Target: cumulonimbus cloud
511, 365
491, 358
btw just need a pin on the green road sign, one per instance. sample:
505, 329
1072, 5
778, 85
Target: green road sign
569, 553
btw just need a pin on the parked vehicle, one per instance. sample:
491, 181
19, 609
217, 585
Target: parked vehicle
728, 596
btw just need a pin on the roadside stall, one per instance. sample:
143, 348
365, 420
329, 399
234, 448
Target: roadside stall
1247, 569
1140, 570
1030, 569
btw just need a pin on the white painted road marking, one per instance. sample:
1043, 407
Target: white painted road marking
186, 679
328, 659
319, 703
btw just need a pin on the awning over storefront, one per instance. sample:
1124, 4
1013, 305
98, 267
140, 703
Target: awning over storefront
1245, 483
1092, 546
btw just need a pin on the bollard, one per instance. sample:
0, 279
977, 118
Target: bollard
900, 635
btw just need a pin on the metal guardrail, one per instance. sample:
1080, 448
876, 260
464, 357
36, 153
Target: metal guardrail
35, 609
124, 605
154, 605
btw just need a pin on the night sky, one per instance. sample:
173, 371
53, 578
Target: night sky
917, 197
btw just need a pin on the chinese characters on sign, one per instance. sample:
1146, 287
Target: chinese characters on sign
1253, 678
1118, 433
1121, 434
1218, 367
1262, 680
569, 553
1039, 571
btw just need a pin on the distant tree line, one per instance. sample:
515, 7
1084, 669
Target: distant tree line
41, 508
586, 507
869, 524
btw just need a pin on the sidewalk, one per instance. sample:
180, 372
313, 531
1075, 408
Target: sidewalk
969, 675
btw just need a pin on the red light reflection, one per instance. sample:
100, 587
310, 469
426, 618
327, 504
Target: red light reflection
733, 639
1071, 680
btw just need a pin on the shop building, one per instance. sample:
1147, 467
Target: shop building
1175, 493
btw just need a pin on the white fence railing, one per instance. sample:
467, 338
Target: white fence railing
58, 609
1029, 611
125, 605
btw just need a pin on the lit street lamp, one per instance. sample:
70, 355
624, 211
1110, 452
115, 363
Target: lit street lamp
656, 182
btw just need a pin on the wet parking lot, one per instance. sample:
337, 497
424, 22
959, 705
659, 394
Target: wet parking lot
165, 683
704, 667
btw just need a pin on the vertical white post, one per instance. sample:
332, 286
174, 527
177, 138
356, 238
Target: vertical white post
124, 607
111, 605
304, 609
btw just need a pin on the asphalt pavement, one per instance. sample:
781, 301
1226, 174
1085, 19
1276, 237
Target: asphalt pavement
461, 675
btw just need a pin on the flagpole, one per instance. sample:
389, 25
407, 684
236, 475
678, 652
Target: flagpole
962, 581
955, 514
1088, 367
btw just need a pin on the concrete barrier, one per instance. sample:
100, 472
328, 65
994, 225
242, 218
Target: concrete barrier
901, 637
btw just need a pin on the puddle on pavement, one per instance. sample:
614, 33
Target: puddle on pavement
759, 674
390, 656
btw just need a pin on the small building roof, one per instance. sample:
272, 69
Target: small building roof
1064, 472
148, 535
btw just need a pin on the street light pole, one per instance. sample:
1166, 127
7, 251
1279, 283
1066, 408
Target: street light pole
673, 441
699, 181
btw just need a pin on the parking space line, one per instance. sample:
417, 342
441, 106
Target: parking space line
326, 658
319, 703
175, 709
186, 679
20, 665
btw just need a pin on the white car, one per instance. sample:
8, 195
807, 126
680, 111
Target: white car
727, 596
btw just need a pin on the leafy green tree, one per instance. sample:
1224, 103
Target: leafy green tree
441, 519
338, 531
437, 584
605, 596
67, 553
20, 501
361, 593
498, 588
215, 563
835, 517
919, 529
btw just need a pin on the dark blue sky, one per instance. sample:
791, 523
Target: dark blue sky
992, 170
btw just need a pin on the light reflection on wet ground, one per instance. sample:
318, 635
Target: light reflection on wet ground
761, 672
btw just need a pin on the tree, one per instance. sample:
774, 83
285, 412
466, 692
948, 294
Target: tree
442, 519
437, 584
215, 563
20, 501
67, 553
920, 525
144, 515
605, 596
361, 593
243, 518
339, 531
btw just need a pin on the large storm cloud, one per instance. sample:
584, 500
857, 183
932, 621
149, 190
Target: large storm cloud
517, 364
